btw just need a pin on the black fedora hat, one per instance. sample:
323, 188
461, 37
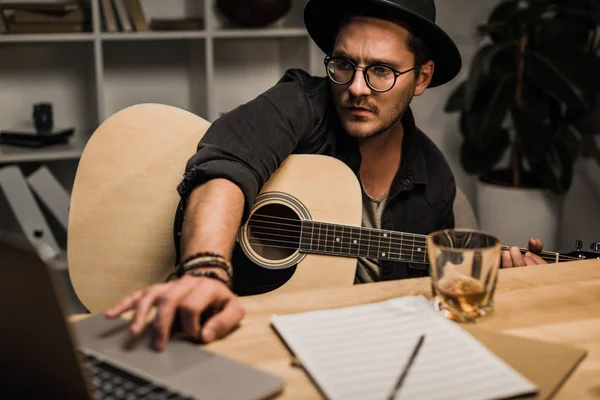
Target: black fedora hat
322, 19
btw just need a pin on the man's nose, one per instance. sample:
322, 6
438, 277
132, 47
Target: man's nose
358, 86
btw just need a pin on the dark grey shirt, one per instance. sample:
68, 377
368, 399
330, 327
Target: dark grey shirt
297, 116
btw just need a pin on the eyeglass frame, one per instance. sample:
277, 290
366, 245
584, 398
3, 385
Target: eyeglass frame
397, 73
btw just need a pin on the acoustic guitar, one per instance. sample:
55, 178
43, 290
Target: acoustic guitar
304, 230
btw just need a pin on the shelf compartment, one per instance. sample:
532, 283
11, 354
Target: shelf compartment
264, 61
171, 73
58, 73
151, 9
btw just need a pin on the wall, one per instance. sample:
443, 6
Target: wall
581, 213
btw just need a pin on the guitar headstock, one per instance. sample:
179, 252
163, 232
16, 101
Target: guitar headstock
584, 255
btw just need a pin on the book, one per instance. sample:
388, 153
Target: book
35, 139
123, 15
176, 24
134, 7
44, 27
110, 20
63, 6
76, 16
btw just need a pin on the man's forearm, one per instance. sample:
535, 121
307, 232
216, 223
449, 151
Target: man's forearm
212, 219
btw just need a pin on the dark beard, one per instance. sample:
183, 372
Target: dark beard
389, 119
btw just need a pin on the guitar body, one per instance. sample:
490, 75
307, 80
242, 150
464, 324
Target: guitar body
124, 198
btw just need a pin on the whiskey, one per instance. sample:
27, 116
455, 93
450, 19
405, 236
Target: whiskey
462, 294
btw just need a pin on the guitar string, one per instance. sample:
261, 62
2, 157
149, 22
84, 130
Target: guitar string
330, 242
361, 246
341, 246
408, 247
421, 238
402, 241
361, 249
339, 254
548, 256
298, 233
297, 221
426, 259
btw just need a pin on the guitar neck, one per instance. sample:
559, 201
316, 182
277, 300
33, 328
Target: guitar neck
349, 241
548, 256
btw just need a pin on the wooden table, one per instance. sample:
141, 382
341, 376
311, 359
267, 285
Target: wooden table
556, 303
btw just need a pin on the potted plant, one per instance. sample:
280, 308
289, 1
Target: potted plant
525, 109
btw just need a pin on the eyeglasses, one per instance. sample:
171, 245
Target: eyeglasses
379, 77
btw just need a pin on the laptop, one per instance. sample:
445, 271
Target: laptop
44, 356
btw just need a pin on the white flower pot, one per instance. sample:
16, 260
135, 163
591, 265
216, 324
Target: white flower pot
517, 214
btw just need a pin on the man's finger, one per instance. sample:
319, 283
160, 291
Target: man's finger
143, 307
506, 260
223, 322
166, 306
124, 305
535, 258
191, 309
528, 261
516, 256
535, 245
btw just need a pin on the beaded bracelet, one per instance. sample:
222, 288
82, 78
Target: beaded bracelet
204, 259
212, 275
202, 254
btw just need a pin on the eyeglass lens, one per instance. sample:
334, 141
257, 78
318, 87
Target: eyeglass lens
379, 77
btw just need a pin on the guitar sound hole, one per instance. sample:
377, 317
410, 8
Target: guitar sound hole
274, 231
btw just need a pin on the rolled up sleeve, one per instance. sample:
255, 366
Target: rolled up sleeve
249, 143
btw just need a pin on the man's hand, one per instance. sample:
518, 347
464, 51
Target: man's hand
191, 297
513, 257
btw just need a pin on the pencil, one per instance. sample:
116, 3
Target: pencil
406, 368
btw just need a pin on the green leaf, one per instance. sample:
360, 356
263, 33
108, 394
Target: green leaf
476, 75
481, 68
477, 161
555, 170
566, 79
456, 100
500, 25
484, 122
565, 33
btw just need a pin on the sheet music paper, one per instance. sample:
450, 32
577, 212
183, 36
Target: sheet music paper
358, 353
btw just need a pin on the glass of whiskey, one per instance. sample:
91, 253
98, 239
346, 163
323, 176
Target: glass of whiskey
464, 266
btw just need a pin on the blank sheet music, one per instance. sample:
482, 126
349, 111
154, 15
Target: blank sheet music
358, 353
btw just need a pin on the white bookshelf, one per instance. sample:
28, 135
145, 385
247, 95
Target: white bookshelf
89, 76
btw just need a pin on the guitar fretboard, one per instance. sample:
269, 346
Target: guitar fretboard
348, 241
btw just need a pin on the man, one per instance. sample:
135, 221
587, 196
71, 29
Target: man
381, 54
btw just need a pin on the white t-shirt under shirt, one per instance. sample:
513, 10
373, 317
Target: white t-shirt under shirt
368, 269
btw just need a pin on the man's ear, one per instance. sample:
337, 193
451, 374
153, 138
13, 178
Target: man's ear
425, 76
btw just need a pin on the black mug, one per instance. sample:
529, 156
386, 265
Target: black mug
42, 117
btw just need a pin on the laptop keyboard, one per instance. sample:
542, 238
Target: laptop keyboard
112, 383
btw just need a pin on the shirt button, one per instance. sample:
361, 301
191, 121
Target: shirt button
407, 182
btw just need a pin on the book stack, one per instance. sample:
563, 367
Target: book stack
42, 17
123, 16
